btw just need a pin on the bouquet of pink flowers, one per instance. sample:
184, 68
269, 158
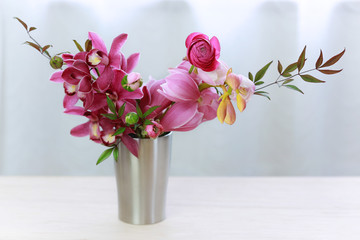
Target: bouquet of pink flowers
101, 86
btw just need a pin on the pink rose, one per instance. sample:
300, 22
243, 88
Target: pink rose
202, 52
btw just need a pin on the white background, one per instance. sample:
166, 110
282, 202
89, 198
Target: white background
293, 134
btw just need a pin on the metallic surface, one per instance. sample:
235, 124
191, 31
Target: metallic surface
142, 182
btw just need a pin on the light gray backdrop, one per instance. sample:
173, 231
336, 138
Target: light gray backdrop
293, 134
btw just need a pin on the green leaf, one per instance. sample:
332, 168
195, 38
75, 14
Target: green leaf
88, 45
148, 122
289, 69
333, 60
110, 116
104, 155
191, 69
293, 87
259, 83
301, 60
32, 29
309, 78
287, 81
260, 74
280, 67
138, 111
319, 61
119, 131
111, 104
263, 94
121, 110
203, 86
286, 74
116, 153
22, 23
329, 71
251, 77
78, 46
150, 110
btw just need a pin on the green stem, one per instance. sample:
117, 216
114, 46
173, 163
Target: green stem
283, 80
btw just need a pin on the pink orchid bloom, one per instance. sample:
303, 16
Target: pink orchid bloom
191, 106
152, 98
115, 58
242, 87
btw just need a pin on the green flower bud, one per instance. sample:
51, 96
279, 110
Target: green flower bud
56, 62
131, 118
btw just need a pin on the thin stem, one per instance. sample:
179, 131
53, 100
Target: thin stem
42, 53
283, 80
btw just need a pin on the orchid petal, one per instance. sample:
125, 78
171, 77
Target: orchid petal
72, 75
82, 66
81, 130
193, 123
70, 101
221, 111
99, 101
75, 110
241, 103
85, 85
94, 131
105, 79
180, 87
88, 100
56, 77
114, 53
230, 113
178, 115
132, 61
97, 42
131, 144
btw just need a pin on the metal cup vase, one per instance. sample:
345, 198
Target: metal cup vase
142, 182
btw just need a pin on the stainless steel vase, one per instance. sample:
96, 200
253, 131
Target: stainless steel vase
142, 182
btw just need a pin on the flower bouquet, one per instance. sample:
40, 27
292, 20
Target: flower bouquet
101, 86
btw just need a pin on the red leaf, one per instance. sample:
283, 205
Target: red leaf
280, 67
301, 60
320, 60
328, 71
22, 23
333, 60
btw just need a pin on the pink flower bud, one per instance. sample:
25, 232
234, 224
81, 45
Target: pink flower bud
132, 81
154, 130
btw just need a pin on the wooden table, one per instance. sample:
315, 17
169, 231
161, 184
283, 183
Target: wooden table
84, 208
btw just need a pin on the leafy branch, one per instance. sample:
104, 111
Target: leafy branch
42, 49
287, 75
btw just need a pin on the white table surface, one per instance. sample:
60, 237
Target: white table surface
84, 208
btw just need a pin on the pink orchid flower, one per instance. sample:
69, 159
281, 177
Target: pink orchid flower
191, 106
115, 58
